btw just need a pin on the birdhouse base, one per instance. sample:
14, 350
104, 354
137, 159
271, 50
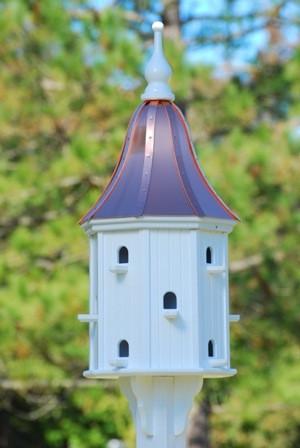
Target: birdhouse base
207, 372
160, 408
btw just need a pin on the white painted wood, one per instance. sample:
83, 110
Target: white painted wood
159, 222
93, 326
101, 299
207, 372
126, 297
142, 388
184, 393
170, 314
130, 304
142, 303
213, 296
158, 71
217, 362
196, 319
214, 269
119, 268
160, 407
88, 317
171, 271
226, 301
119, 362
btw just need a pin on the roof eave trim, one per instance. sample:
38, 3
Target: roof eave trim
159, 222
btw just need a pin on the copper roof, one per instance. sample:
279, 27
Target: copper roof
157, 173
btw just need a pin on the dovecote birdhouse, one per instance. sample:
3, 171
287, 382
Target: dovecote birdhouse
159, 307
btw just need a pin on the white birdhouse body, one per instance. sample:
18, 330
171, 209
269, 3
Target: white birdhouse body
159, 297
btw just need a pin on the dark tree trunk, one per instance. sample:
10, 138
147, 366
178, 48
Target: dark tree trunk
171, 19
199, 430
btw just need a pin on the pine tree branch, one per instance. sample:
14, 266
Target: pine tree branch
45, 385
252, 262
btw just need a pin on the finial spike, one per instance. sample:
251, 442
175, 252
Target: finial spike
158, 71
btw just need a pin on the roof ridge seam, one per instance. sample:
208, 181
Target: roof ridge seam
149, 154
186, 180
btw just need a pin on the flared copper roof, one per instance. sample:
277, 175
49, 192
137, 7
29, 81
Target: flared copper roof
157, 173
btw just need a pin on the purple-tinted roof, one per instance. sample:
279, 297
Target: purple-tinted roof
157, 173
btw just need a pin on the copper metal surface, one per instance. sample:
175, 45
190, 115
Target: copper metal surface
158, 173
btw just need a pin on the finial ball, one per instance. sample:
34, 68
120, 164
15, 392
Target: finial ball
157, 26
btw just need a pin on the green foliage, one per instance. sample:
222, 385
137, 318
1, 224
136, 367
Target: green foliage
62, 115
69, 81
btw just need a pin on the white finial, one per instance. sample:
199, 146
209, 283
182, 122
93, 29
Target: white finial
158, 70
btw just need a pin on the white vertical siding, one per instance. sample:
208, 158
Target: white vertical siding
141, 320
172, 270
126, 311
194, 302
203, 311
213, 297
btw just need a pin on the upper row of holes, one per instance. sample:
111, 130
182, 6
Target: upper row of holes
123, 255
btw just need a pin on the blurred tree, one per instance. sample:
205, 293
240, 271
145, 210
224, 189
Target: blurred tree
70, 76
65, 90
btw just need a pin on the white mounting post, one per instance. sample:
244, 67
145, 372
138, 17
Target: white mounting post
158, 71
160, 406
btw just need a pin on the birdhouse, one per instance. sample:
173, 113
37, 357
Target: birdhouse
159, 307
